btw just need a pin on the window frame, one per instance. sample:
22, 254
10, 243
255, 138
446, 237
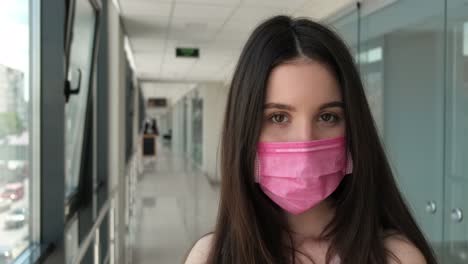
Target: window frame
81, 197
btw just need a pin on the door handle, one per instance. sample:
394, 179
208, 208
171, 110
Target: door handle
457, 215
431, 207
73, 83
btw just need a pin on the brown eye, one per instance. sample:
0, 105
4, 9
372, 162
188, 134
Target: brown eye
279, 118
329, 118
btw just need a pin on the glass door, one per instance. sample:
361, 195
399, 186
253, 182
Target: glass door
413, 57
402, 65
456, 168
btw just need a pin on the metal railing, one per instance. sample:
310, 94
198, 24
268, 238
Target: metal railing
93, 235
134, 169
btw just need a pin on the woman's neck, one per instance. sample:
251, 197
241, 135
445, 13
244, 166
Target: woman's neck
310, 224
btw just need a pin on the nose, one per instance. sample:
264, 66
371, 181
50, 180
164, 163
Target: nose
305, 131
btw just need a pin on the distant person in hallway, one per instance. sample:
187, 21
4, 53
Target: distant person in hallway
151, 127
151, 133
305, 178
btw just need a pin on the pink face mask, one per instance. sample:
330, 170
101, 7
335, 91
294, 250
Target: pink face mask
299, 175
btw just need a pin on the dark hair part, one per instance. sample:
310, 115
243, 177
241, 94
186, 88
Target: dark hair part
250, 227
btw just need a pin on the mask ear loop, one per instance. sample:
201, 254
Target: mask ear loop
349, 163
257, 169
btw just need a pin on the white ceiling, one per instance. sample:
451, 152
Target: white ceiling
218, 27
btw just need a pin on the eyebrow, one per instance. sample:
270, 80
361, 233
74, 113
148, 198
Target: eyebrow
332, 104
293, 109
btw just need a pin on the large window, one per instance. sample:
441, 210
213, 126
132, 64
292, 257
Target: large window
16, 129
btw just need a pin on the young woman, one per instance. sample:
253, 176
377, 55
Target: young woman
304, 176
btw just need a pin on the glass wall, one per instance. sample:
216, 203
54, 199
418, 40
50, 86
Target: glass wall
16, 129
456, 131
347, 27
413, 57
185, 138
368, 55
197, 129
411, 73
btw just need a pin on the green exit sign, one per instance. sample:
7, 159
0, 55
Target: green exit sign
187, 52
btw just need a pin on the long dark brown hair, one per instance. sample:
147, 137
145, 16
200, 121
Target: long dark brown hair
250, 227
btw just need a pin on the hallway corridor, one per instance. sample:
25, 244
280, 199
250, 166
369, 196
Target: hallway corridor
175, 205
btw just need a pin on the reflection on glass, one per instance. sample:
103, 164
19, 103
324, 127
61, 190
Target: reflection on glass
81, 52
15, 145
371, 66
347, 28
369, 56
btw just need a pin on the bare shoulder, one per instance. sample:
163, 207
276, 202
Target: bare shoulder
404, 250
200, 251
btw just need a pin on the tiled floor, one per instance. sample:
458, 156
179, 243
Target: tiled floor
175, 206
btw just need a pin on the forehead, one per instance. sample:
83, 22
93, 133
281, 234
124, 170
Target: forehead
302, 82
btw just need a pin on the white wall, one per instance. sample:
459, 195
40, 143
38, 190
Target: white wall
214, 102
